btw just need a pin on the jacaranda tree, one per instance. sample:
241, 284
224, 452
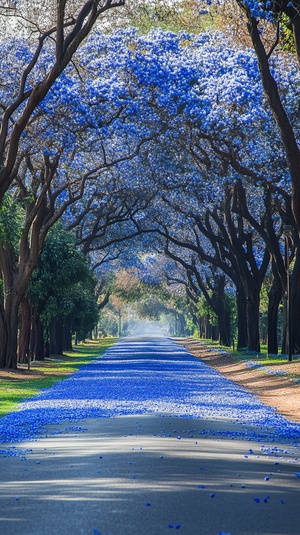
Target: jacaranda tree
159, 124
62, 163
211, 97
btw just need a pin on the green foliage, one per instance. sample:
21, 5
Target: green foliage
188, 15
130, 288
151, 307
109, 321
63, 284
206, 310
12, 216
60, 265
287, 40
84, 310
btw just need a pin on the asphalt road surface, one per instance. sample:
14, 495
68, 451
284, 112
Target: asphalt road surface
148, 441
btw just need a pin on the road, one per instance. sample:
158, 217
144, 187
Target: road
145, 441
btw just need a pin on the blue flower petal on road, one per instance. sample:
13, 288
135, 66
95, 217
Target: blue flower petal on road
169, 380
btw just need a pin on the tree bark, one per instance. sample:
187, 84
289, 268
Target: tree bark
25, 327
252, 308
220, 309
37, 342
56, 338
273, 98
275, 296
10, 327
215, 333
295, 304
67, 335
242, 341
3, 336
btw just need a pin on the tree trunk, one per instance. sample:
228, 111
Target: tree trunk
37, 346
215, 333
56, 338
9, 331
15, 283
224, 332
24, 335
226, 340
220, 310
67, 335
273, 97
275, 296
253, 300
242, 341
12, 338
295, 305
201, 327
208, 328
3, 337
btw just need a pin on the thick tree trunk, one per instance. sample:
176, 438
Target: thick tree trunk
25, 327
224, 331
215, 333
220, 309
15, 283
275, 296
208, 328
56, 338
9, 328
273, 97
295, 305
39, 346
242, 341
284, 345
252, 308
67, 335
205, 327
201, 327
3, 337
225, 340
37, 342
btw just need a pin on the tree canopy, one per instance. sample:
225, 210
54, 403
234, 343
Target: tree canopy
176, 142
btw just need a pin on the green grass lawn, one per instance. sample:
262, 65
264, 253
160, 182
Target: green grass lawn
25, 384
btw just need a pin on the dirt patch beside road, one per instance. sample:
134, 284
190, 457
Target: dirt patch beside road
277, 391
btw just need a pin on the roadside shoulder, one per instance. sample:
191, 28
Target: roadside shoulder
277, 391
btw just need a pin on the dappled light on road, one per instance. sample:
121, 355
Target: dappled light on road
143, 440
150, 473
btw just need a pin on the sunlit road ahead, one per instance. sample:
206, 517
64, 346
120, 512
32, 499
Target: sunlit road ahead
145, 441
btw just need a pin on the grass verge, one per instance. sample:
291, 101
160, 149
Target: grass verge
263, 362
20, 384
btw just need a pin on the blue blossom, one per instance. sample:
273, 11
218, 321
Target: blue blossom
166, 379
